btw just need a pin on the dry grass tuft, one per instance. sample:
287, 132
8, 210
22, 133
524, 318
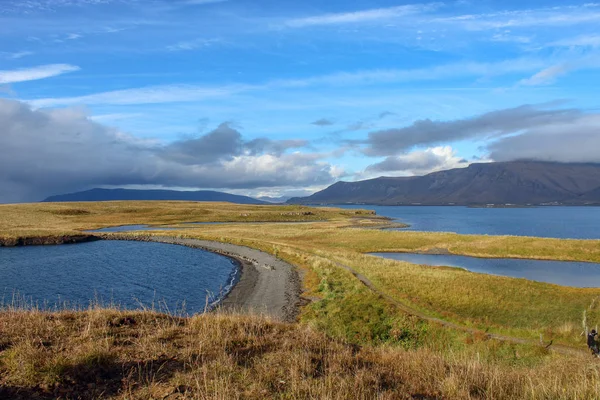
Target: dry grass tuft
105, 353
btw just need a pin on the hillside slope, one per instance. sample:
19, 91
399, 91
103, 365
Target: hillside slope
519, 182
131, 194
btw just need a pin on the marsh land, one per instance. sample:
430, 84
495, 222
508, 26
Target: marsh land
363, 326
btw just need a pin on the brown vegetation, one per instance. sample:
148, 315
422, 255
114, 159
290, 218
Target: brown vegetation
104, 353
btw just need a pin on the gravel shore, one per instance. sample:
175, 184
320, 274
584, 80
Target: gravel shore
266, 285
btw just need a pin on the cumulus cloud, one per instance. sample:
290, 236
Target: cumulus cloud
224, 143
493, 124
44, 152
420, 162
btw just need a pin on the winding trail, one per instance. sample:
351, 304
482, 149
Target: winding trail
412, 311
276, 292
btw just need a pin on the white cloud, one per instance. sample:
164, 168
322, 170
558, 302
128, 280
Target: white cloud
420, 162
146, 95
548, 75
540, 17
17, 55
188, 93
202, 2
579, 41
510, 38
104, 118
35, 73
462, 69
193, 44
362, 16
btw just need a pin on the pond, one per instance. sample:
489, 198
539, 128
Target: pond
130, 274
577, 274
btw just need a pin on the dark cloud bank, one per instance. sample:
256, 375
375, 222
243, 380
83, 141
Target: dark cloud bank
528, 132
44, 152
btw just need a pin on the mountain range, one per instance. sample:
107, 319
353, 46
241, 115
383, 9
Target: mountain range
500, 183
132, 194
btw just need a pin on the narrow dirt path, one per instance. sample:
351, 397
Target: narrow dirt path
411, 311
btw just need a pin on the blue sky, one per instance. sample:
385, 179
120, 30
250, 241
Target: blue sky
281, 97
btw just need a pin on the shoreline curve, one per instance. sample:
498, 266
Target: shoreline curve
265, 285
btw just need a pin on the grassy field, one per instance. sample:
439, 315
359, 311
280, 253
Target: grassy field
39, 219
347, 312
504, 305
105, 353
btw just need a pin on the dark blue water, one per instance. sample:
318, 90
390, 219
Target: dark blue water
555, 222
174, 279
563, 273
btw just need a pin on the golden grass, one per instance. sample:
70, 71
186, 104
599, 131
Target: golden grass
510, 306
516, 307
395, 345
505, 305
62, 218
105, 353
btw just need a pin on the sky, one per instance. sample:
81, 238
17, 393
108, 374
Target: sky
283, 98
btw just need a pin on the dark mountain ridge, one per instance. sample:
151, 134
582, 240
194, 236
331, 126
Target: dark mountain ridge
516, 182
132, 194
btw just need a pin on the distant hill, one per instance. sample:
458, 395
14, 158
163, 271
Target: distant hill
517, 182
131, 194
268, 199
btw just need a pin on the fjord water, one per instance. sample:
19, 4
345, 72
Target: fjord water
174, 278
555, 222
563, 273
